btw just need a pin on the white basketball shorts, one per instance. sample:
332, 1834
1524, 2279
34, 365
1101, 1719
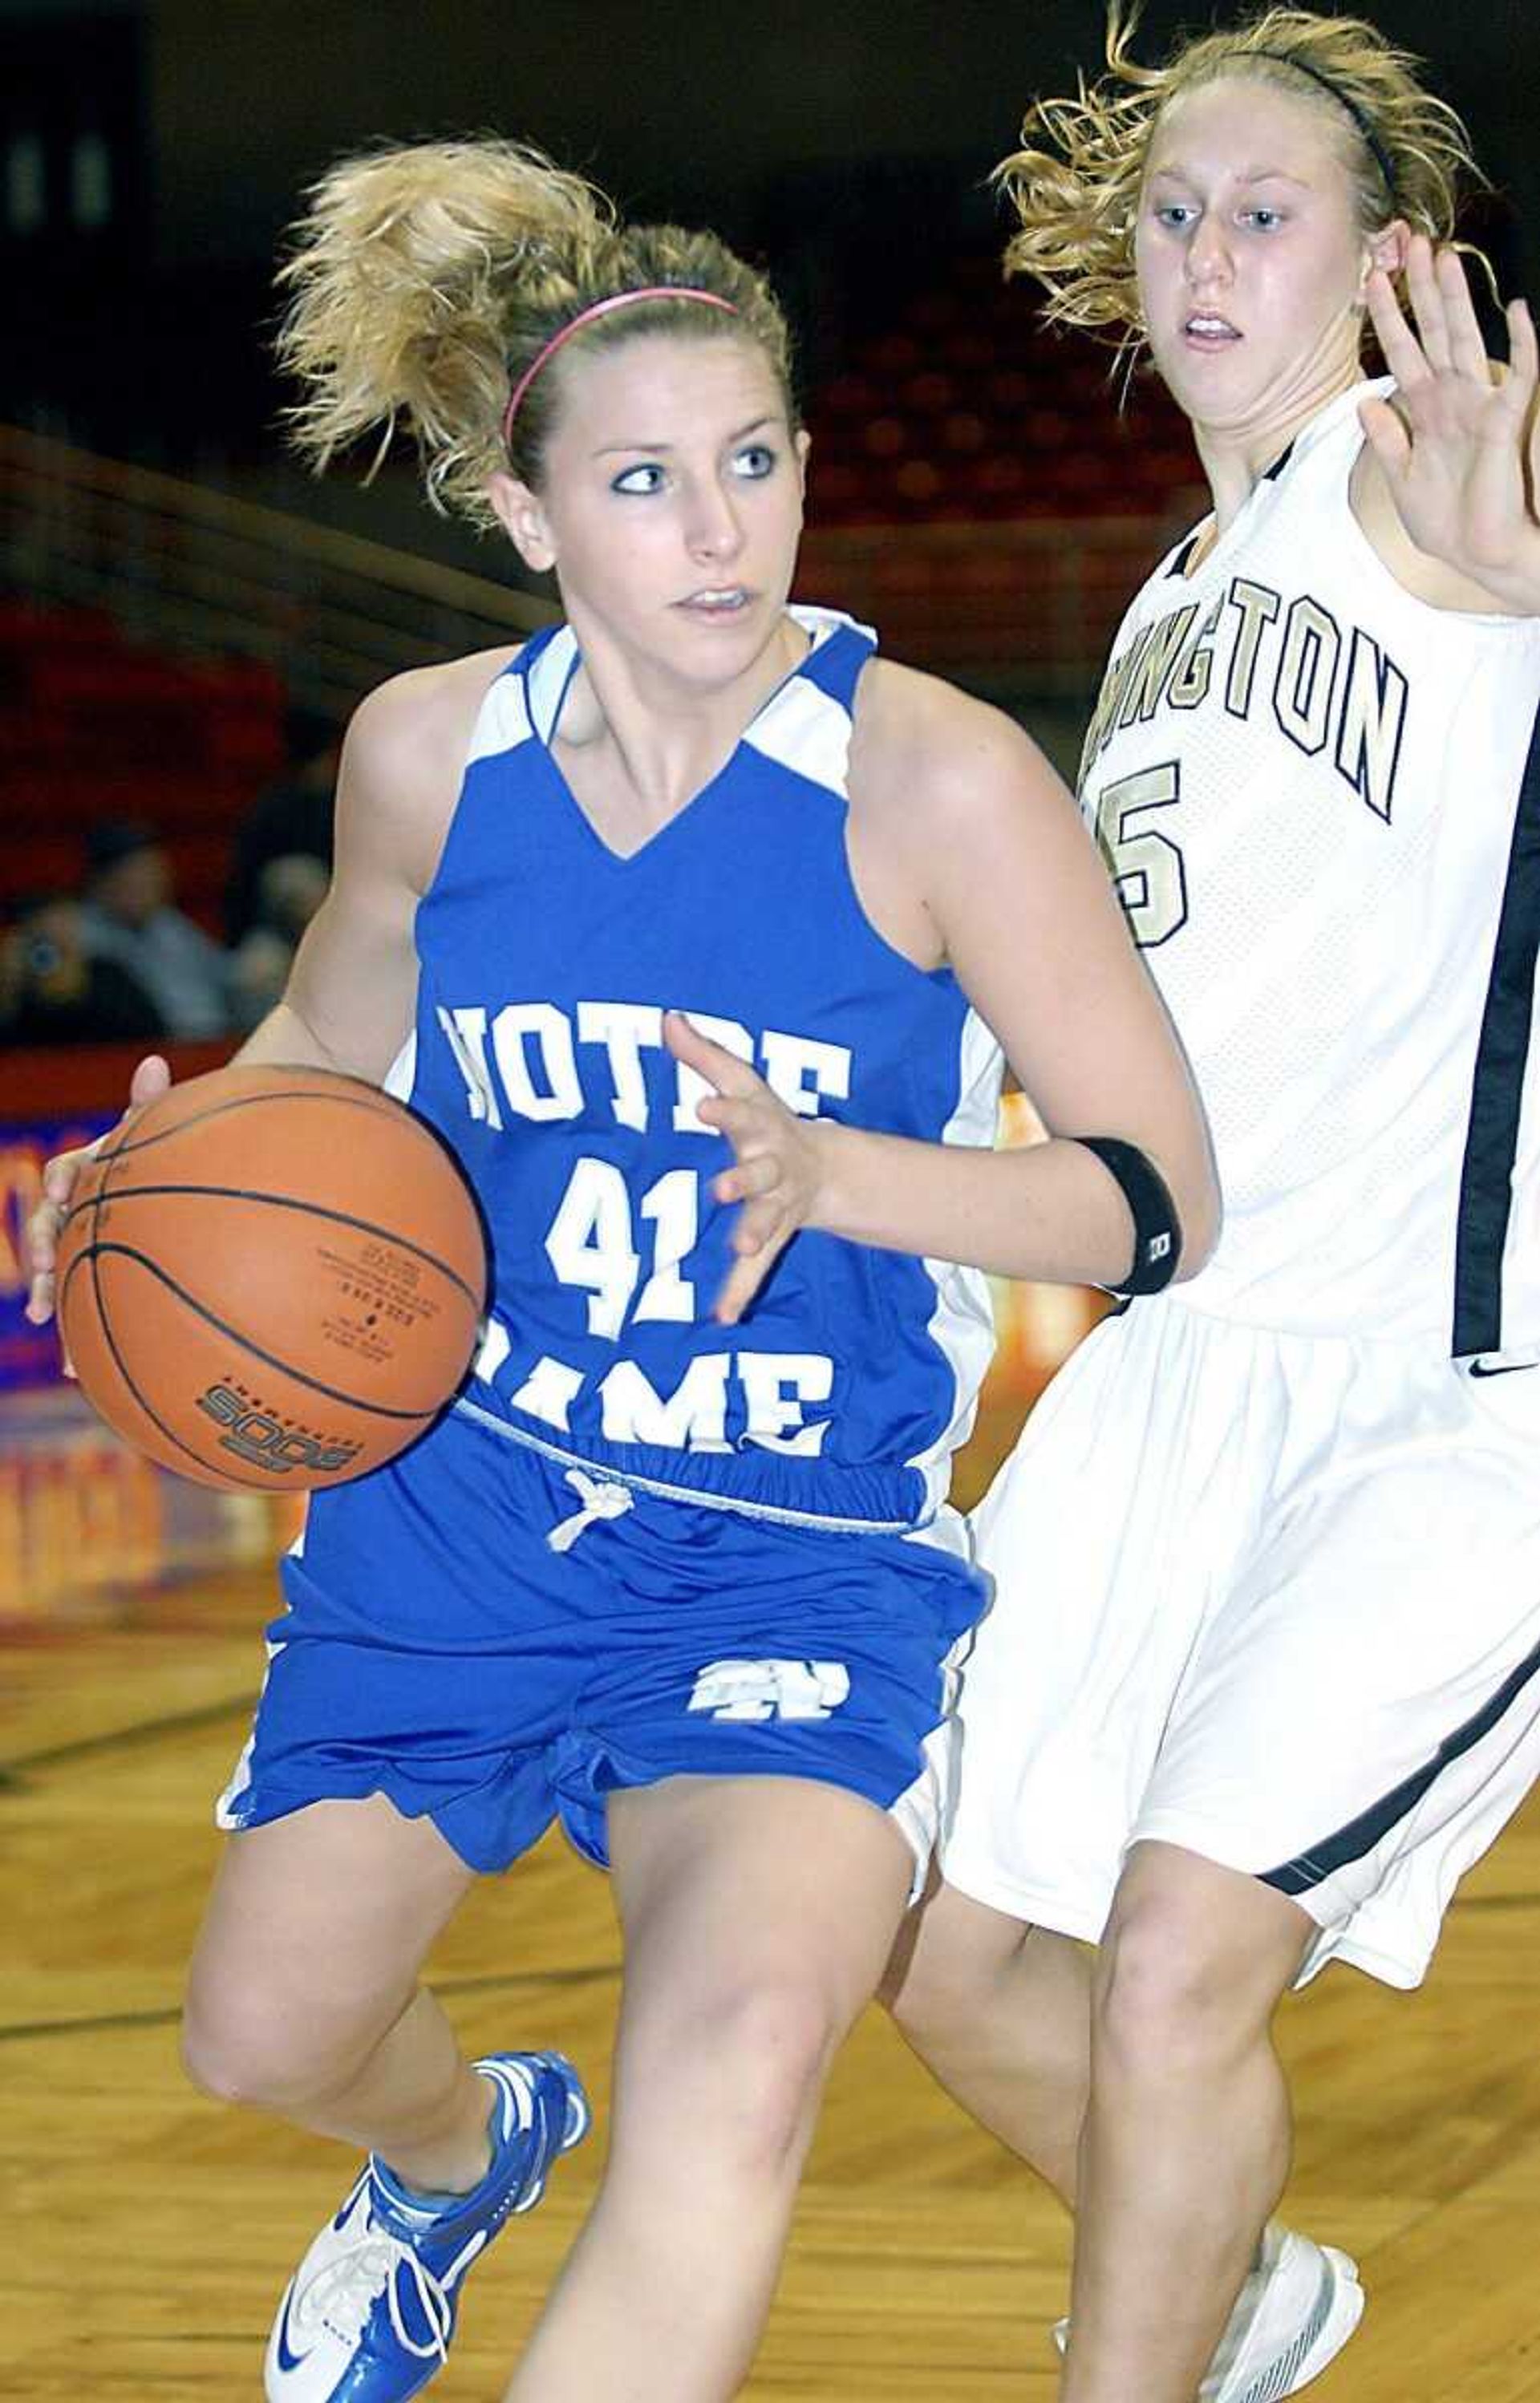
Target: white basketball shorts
1274, 1598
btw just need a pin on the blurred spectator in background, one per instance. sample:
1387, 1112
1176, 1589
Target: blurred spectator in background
130, 919
289, 891
54, 989
290, 819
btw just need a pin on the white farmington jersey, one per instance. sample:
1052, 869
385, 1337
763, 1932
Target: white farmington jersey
1320, 799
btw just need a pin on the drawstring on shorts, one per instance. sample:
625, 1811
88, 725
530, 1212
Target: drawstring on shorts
600, 1500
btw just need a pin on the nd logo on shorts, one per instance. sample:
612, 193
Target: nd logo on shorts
771, 1690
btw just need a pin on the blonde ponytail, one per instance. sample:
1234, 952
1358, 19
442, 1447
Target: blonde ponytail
423, 282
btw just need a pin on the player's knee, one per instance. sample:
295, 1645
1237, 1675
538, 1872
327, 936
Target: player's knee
246, 2050
1172, 1988
762, 2048
777, 2040
951, 1961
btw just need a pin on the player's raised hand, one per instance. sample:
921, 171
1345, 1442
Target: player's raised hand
775, 1171
1457, 441
151, 1076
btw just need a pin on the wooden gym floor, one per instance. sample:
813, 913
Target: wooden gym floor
148, 2232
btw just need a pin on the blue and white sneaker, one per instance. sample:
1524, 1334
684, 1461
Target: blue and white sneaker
369, 2314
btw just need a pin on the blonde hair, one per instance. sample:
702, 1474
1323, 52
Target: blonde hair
424, 282
1076, 182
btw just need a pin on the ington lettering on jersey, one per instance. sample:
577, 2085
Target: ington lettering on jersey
1316, 797
1325, 684
536, 1062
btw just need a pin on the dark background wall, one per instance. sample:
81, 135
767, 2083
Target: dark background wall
699, 105
844, 141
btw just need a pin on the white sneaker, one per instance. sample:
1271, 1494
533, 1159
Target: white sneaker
1292, 2317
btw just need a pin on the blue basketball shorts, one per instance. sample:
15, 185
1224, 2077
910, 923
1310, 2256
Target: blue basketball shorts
495, 1640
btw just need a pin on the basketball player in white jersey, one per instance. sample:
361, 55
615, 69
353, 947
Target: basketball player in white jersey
1262, 1679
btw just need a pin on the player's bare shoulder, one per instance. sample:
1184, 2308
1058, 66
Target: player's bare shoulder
946, 766
404, 752
412, 720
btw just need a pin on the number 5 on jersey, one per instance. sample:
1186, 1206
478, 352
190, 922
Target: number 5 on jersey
1148, 866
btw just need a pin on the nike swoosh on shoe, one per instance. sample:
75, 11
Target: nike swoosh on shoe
288, 2361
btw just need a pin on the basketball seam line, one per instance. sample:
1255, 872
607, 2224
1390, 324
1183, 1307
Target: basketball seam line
130, 1142
127, 1142
153, 1415
289, 1202
268, 1359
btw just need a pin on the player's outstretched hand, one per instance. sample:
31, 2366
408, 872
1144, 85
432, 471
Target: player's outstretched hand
1457, 442
150, 1079
775, 1171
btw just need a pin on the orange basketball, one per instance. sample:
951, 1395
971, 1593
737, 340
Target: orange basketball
272, 1278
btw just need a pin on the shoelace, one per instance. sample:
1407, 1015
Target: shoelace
600, 1500
343, 2292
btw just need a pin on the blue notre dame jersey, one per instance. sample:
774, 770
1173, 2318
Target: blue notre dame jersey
547, 963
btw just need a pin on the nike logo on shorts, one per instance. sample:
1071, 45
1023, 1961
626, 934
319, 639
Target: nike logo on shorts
1503, 1369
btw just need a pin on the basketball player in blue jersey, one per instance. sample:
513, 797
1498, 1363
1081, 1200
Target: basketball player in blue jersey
699, 934
1263, 1675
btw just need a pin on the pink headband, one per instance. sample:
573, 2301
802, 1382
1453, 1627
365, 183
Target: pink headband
586, 317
